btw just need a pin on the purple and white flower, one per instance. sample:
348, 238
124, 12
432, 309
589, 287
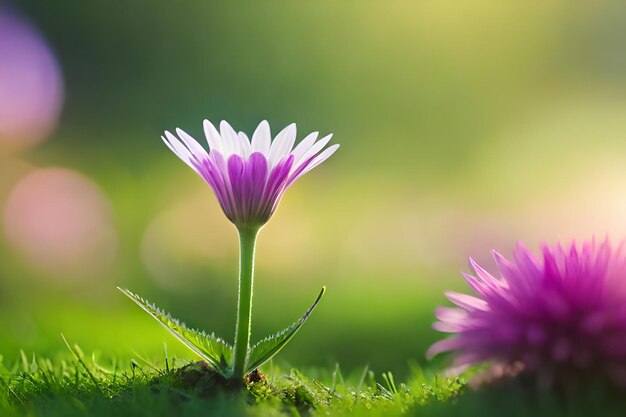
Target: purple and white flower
561, 316
249, 177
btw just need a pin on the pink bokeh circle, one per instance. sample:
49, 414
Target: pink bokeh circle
60, 222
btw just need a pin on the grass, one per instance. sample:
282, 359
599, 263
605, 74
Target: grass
85, 385
82, 385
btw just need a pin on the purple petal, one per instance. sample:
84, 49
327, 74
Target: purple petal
526, 261
446, 327
445, 345
451, 314
255, 175
276, 185
235, 173
467, 301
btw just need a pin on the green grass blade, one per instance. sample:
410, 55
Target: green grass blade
213, 349
270, 346
79, 358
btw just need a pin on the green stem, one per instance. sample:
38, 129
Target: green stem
247, 241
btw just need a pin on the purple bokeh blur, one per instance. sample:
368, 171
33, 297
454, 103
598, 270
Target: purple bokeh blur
31, 84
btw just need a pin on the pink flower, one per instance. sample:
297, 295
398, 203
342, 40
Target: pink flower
562, 316
249, 177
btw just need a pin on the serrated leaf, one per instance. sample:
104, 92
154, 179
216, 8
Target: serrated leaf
264, 350
213, 349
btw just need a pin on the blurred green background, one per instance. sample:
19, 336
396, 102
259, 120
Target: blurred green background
464, 126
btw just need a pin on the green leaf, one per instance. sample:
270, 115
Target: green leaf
264, 350
213, 349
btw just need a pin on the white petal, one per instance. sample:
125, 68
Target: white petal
321, 158
262, 138
213, 137
282, 145
230, 140
244, 145
192, 144
178, 148
303, 146
318, 146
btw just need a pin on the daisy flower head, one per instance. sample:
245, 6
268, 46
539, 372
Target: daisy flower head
250, 176
559, 316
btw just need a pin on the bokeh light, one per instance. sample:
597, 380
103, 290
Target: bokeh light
187, 235
31, 86
60, 222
